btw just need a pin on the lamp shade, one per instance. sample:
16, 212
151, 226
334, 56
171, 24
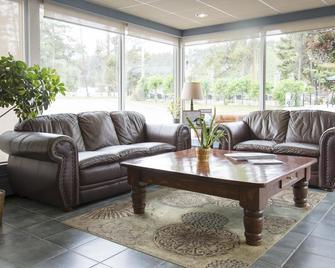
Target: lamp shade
192, 91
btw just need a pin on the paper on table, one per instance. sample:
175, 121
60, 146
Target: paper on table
247, 156
265, 162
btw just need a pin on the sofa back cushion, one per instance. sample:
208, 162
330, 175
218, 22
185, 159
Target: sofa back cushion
307, 126
65, 124
268, 125
97, 129
129, 126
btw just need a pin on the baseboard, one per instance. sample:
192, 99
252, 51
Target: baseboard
4, 180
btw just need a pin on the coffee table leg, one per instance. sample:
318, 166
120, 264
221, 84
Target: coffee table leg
137, 191
300, 191
253, 225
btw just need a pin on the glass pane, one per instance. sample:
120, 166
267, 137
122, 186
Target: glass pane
11, 28
87, 60
149, 78
300, 70
229, 74
11, 41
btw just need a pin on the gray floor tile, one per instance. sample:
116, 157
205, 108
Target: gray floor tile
67, 259
22, 249
307, 260
101, 265
319, 246
304, 227
99, 249
23, 218
329, 219
47, 228
262, 264
6, 264
134, 259
47, 210
330, 197
277, 255
5, 229
168, 265
325, 231
318, 213
71, 238
291, 240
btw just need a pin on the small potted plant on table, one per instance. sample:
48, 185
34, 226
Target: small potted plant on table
209, 133
174, 109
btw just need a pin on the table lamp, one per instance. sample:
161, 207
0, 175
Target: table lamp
192, 91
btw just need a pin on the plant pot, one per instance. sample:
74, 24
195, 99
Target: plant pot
203, 154
203, 168
176, 120
2, 204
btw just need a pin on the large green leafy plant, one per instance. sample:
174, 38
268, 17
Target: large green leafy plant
209, 133
27, 90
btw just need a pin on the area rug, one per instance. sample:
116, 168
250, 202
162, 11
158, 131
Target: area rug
191, 229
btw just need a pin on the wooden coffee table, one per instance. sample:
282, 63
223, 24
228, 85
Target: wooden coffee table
252, 185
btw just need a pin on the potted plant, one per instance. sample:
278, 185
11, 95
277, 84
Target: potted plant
174, 108
27, 90
209, 133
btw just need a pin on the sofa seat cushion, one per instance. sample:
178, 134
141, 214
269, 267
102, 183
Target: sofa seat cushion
256, 146
117, 153
101, 174
294, 148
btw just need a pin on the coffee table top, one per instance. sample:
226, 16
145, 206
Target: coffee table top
219, 167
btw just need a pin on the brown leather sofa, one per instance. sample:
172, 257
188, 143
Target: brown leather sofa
301, 133
68, 159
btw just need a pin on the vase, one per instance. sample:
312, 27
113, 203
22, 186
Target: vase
2, 203
203, 154
176, 120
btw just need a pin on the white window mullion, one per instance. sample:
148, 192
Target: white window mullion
122, 73
262, 72
32, 31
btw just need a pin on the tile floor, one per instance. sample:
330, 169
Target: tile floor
33, 235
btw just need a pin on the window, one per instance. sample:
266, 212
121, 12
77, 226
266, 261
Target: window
11, 28
149, 78
11, 40
87, 59
228, 72
300, 70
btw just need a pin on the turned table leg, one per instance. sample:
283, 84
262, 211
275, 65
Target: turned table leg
253, 225
137, 191
300, 191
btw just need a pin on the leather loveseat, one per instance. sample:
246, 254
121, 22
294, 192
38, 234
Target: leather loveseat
68, 159
301, 133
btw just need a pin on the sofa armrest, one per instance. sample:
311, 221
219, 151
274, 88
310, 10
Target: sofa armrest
36, 145
236, 132
178, 135
327, 159
29, 150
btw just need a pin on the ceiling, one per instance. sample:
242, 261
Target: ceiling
181, 14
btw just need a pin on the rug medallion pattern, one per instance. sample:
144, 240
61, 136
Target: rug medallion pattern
191, 229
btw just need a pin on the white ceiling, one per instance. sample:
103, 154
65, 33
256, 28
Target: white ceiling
180, 14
